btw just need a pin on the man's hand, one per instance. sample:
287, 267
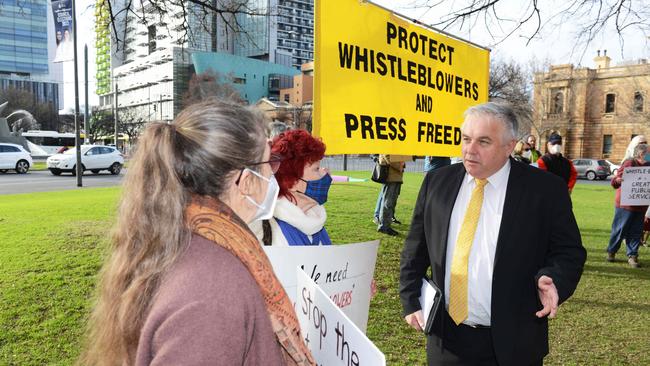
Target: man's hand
547, 296
416, 320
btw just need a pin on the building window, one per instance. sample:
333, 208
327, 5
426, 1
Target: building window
607, 145
610, 103
558, 103
151, 37
638, 102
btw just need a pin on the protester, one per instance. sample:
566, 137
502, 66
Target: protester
467, 227
628, 220
276, 128
522, 152
299, 216
435, 162
636, 140
534, 153
187, 283
390, 192
555, 163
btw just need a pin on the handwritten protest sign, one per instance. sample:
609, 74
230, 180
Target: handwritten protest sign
330, 335
344, 272
635, 189
384, 84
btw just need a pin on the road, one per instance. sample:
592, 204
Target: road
44, 181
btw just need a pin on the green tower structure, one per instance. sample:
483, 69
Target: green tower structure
103, 47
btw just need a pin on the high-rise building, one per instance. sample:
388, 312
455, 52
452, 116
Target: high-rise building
285, 36
24, 62
23, 37
151, 64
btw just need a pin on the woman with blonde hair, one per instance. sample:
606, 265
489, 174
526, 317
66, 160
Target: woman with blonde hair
522, 152
186, 282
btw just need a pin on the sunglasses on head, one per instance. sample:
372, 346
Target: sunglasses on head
527, 149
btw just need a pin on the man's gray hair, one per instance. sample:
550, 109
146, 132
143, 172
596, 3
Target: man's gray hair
276, 128
640, 150
500, 111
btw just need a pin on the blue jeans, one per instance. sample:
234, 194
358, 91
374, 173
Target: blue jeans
388, 202
627, 225
379, 198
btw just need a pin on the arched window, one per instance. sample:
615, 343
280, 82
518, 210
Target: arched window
638, 102
558, 103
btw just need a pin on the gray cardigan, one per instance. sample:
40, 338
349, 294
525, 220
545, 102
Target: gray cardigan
208, 311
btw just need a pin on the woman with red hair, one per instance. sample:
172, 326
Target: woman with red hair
299, 216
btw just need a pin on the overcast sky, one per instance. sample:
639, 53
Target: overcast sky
555, 42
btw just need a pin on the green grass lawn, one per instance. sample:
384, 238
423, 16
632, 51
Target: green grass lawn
52, 245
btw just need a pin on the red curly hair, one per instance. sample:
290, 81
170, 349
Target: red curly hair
298, 149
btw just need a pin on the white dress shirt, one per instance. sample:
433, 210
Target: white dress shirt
481, 256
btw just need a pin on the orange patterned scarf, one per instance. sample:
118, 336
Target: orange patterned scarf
215, 221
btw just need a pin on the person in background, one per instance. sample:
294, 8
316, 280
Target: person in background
522, 152
435, 162
299, 215
276, 128
646, 228
390, 191
534, 153
467, 229
636, 140
555, 163
186, 282
628, 220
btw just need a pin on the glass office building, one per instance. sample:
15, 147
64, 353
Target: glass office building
23, 37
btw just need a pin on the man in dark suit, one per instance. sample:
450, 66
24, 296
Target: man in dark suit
503, 272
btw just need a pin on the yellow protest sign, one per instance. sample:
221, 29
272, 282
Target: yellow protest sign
384, 84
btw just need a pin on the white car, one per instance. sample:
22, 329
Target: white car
93, 157
13, 156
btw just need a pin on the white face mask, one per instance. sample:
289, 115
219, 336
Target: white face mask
266, 208
555, 149
527, 154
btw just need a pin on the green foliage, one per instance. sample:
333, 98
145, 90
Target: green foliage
52, 245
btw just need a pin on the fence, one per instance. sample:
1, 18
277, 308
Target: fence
363, 163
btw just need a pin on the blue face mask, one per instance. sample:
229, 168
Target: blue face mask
647, 157
318, 189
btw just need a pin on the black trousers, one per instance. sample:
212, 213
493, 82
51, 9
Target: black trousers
463, 346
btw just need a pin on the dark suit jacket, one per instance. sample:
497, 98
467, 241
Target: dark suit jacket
538, 236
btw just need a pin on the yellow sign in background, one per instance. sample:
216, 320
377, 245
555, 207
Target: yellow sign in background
386, 85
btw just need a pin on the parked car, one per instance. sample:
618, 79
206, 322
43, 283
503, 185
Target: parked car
613, 167
592, 168
13, 156
93, 157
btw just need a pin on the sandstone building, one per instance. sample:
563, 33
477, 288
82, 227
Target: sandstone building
597, 111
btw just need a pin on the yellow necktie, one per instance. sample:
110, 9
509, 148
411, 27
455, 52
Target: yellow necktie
458, 282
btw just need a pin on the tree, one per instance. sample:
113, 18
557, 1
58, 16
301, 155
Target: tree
510, 82
130, 123
210, 84
591, 16
102, 124
204, 13
45, 114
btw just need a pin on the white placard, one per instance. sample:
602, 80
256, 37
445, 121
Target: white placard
344, 272
635, 189
330, 335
